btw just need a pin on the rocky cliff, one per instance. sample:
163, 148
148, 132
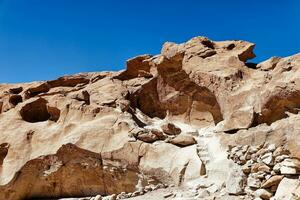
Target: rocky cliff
197, 120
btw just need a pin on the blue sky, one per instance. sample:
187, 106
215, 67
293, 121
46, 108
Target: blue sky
44, 39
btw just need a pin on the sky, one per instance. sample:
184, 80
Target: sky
45, 39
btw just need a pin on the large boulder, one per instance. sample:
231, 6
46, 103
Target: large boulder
286, 189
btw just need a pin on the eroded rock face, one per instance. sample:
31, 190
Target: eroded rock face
111, 132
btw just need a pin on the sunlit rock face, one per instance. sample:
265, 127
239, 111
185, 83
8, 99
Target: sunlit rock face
166, 119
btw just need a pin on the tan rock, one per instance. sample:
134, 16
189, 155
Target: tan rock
273, 181
290, 166
263, 168
255, 167
285, 189
75, 135
262, 193
183, 140
170, 129
269, 64
235, 182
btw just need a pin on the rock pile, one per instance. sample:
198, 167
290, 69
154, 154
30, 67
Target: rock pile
267, 170
124, 195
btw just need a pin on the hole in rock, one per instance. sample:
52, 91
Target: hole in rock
38, 111
208, 43
251, 65
54, 113
16, 90
1, 105
32, 92
233, 131
15, 99
230, 46
3, 151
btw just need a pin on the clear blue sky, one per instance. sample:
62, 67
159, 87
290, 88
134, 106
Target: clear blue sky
44, 39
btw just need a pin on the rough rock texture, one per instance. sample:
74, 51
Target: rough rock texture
166, 119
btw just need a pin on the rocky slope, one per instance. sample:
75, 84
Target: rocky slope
195, 122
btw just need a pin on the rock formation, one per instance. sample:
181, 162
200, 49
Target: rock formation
198, 117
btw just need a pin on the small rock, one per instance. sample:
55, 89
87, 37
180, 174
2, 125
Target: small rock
267, 158
122, 195
277, 167
98, 197
263, 168
271, 147
158, 186
235, 149
243, 159
170, 129
254, 157
147, 136
261, 175
281, 158
290, 167
202, 194
261, 152
246, 168
129, 194
213, 189
253, 182
273, 173
273, 181
168, 195
235, 182
183, 140
160, 135
148, 188
255, 166
239, 153
111, 197
245, 148
252, 149
280, 151
262, 193
136, 193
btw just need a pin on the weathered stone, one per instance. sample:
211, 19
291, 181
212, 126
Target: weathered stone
280, 151
246, 168
253, 182
285, 189
170, 129
267, 158
202, 194
256, 166
235, 183
262, 193
98, 197
183, 140
280, 158
263, 168
273, 181
290, 166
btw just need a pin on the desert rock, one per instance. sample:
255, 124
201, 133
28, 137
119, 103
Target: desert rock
109, 133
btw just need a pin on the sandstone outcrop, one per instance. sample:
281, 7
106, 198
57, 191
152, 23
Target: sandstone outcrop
166, 119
